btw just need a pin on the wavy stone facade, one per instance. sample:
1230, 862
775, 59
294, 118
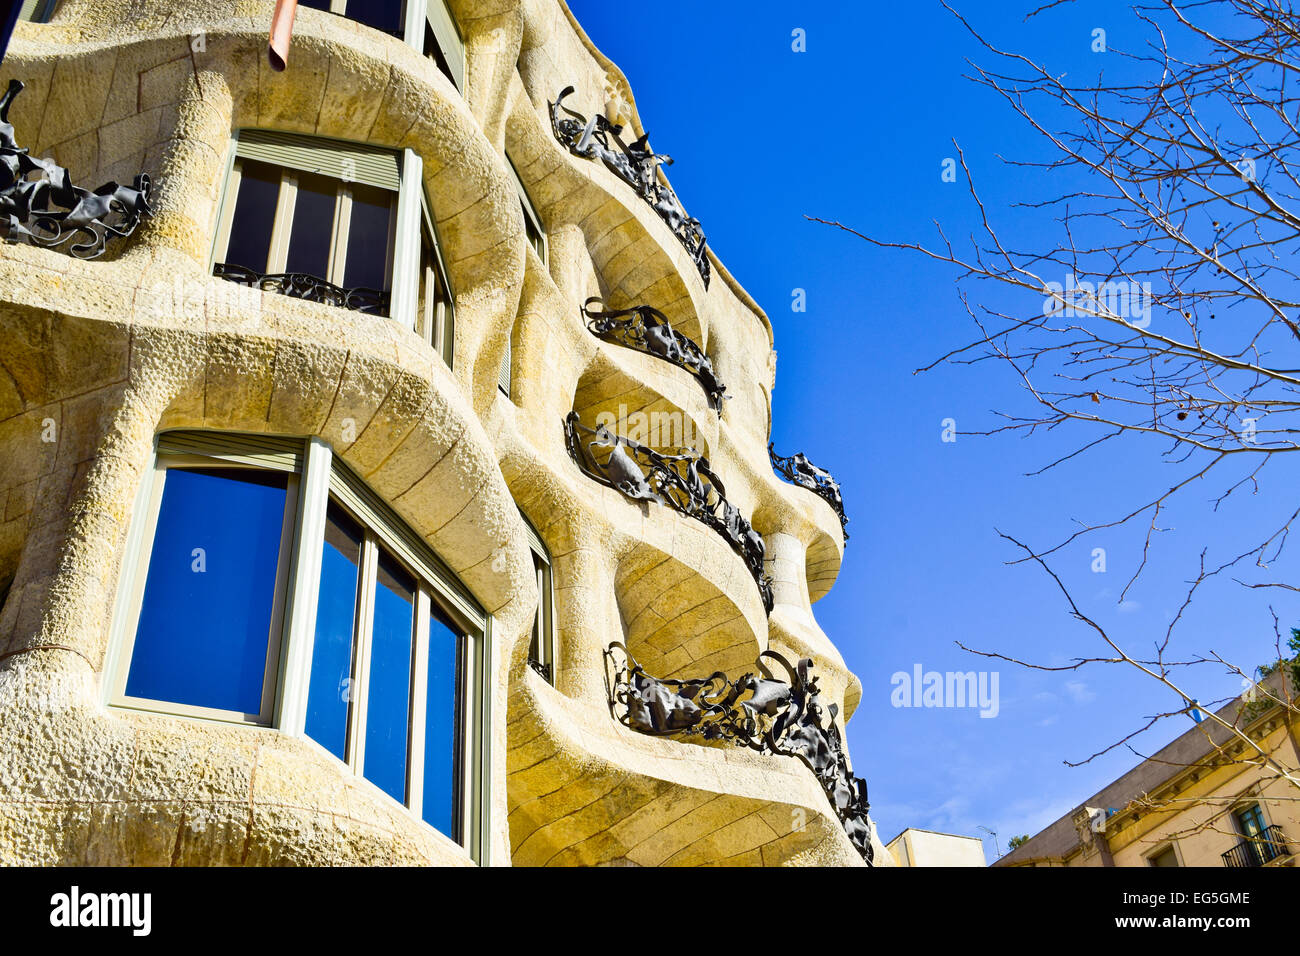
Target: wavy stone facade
113, 356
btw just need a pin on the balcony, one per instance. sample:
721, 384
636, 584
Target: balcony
1269, 845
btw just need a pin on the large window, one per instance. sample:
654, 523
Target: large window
425, 24
344, 224
267, 585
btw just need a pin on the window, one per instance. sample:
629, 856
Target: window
1250, 821
436, 312
426, 25
541, 650
37, 11
385, 15
1166, 857
344, 224
274, 588
532, 222
317, 215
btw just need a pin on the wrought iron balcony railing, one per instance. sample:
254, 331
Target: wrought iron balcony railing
39, 204
647, 330
683, 481
765, 714
1268, 846
802, 472
300, 285
636, 164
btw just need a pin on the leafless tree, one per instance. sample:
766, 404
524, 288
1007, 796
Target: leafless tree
1168, 308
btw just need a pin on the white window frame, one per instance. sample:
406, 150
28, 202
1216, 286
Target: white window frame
541, 244
316, 478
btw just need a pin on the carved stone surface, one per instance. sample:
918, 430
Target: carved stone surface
802, 472
647, 330
300, 285
48, 210
763, 713
636, 164
683, 481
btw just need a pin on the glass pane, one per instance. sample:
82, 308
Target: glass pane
389, 693
205, 623
383, 15
313, 226
318, 4
330, 691
369, 234
250, 229
442, 725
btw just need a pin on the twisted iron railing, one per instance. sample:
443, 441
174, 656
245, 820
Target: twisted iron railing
683, 481
39, 204
636, 164
648, 330
802, 472
763, 713
300, 285
1266, 847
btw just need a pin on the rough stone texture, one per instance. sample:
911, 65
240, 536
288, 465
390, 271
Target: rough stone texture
104, 355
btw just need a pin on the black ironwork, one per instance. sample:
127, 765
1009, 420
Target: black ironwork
763, 713
637, 165
802, 472
543, 669
39, 204
1263, 848
683, 481
300, 285
648, 330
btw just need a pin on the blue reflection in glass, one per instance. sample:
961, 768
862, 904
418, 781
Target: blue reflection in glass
442, 726
388, 695
205, 621
330, 689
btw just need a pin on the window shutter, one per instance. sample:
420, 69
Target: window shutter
449, 41
270, 451
351, 162
503, 374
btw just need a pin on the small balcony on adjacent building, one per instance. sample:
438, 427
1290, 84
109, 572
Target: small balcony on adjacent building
1267, 846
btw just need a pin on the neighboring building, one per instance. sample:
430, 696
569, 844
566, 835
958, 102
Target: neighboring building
309, 552
1201, 801
915, 847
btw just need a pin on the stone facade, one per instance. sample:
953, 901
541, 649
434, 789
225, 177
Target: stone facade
115, 351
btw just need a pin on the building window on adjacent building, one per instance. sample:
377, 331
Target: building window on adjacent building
271, 587
426, 25
37, 11
344, 224
1166, 856
541, 649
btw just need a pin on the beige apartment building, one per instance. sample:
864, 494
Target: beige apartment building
384, 462
1217, 796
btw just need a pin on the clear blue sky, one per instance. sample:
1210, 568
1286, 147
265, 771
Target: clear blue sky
856, 129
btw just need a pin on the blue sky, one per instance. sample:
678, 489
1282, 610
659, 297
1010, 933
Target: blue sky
856, 129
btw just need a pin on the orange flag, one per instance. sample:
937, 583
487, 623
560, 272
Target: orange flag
281, 33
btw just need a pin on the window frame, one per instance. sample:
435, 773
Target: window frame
421, 18
282, 224
544, 619
1170, 847
410, 213
138, 570
436, 325
317, 477
37, 11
